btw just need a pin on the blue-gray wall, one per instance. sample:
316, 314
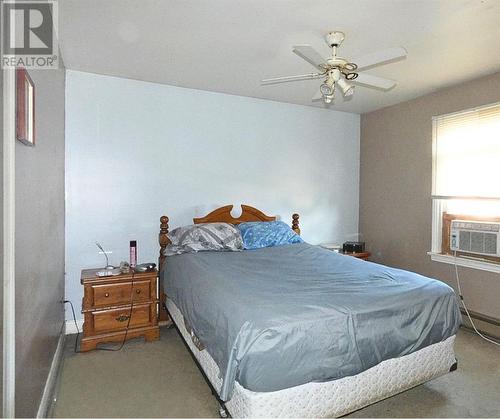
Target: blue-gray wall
137, 150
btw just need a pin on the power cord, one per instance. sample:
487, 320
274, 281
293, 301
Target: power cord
76, 324
126, 330
465, 307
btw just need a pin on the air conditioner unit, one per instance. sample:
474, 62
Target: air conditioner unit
476, 237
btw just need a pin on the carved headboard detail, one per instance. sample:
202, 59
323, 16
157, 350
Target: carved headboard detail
223, 215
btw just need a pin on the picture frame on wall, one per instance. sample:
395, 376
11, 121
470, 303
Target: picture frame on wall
25, 108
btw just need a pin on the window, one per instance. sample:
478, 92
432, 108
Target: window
466, 174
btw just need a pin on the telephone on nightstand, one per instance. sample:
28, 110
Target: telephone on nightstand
109, 272
145, 267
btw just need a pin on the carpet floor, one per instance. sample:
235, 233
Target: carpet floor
160, 379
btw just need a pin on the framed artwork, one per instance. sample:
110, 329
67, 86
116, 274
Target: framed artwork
25, 108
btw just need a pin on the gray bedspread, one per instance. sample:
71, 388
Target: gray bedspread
279, 317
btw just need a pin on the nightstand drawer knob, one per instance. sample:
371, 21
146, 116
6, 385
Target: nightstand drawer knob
106, 295
122, 318
137, 291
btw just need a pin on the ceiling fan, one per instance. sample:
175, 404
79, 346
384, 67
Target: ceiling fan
338, 71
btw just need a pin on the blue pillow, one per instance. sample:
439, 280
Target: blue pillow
267, 234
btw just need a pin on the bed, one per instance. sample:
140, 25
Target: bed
299, 331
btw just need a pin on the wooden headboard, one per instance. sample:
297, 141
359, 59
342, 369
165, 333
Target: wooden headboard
223, 215
220, 215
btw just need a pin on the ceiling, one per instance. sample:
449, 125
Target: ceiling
228, 46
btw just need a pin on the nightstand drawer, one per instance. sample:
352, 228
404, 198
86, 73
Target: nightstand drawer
112, 294
117, 319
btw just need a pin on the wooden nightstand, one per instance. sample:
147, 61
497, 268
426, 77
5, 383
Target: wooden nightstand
337, 248
106, 307
359, 255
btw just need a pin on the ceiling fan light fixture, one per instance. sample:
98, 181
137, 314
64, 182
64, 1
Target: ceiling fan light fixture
347, 89
335, 75
326, 89
336, 69
328, 98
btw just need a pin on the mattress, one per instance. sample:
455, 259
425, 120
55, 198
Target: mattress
281, 317
332, 398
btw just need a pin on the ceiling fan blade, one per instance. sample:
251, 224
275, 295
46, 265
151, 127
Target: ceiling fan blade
379, 58
317, 96
309, 54
285, 79
374, 81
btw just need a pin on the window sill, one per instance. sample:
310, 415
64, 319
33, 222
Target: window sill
468, 263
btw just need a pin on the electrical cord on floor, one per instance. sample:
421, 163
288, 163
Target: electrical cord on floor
76, 324
126, 330
465, 307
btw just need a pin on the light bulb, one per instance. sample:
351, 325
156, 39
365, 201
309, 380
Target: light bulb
335, 75
347, 89
328, 98
325, 90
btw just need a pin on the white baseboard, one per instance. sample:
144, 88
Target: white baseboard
71, 328
50, 384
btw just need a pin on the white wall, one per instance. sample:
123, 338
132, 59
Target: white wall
137, 150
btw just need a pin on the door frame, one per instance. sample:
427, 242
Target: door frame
9, 260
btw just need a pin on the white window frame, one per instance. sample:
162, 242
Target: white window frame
438, 207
